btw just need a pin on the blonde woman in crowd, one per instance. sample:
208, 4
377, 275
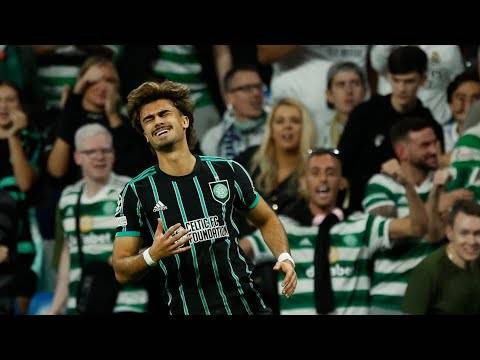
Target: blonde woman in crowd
278, 162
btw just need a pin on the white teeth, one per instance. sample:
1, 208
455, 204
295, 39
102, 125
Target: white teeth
160, 132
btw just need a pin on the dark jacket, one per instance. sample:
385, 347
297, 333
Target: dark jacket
365, 143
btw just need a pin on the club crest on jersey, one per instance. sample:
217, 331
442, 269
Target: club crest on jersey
159, 206
220, 191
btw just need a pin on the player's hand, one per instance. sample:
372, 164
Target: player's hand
290, 282
170, 243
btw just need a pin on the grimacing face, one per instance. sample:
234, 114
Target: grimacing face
323, 179
287, 128
96, 157
9, 101
464, 237
163, 124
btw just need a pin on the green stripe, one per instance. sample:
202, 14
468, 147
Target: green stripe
379, 277
210, 166
469, 140
212, 254
260, 243
212, 158
351, 298
182, 78
239, 286
240, 193
127, 233
57, 81
249, 272
143, 174
255, 202
25, 247
298, 301
177, 259
8, 181
468, 163
194, 253
387, 302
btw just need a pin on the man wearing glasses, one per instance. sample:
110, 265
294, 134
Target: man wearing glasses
97, 194
243, 122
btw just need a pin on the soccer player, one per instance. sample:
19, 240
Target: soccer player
190, 199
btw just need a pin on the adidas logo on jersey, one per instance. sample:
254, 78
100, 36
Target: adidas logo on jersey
159, 206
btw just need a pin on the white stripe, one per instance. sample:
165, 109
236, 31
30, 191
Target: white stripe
66, 200
302, 255
55, 71
350, 228
396, 266
178, 49
132, 297
95, 249
304, 286
163, 66
195, 88
472, 180
464, 153
295, 229
352, 254
379, 241
122, 308
389, 289
98, 222
351, 284
72, 302
387, 182
75, 274
378, 204
300, 311
352, 310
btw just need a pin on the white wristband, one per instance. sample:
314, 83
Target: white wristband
148, 258
286, 256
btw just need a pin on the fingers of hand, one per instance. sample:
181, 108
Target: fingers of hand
168, 234
181, 249
180, 239
290, 285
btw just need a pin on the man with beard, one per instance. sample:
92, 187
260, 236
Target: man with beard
189, 200
416, 147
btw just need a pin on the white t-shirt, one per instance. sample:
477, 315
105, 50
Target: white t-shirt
303, 75
445, 62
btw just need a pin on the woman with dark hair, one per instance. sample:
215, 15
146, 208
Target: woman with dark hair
20, 152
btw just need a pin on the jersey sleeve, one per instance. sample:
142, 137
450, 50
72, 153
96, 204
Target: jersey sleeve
377, 233
128, 214
466, 151
377, 193
247, 195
